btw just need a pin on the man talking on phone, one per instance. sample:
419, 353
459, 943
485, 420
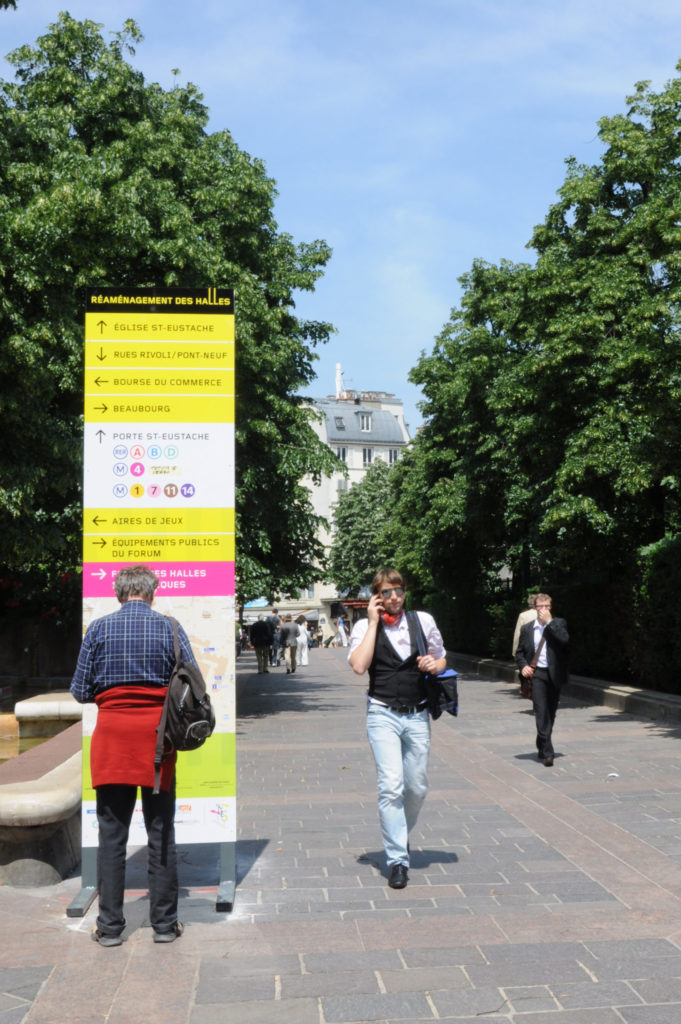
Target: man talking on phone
397, 714
542, 657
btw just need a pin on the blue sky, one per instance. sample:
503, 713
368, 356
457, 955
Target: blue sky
412, 137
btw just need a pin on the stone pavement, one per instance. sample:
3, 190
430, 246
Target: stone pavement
537, 895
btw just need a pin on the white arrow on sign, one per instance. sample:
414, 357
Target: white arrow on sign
100, 574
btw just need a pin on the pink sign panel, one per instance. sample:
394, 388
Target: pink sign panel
185, 579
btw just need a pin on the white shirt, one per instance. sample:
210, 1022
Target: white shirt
399, 636
538, 634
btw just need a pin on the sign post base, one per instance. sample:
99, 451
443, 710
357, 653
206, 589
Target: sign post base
227, 887
79, 906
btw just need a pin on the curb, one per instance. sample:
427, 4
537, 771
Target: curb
665, 707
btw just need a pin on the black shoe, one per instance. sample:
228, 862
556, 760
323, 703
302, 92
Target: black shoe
548, 761
105, 940
171, 935
399, 876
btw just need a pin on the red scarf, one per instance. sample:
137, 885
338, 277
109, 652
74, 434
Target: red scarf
391, 620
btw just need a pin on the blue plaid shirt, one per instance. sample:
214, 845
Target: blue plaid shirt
132, 645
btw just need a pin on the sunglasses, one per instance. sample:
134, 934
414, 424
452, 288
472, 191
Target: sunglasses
397, 591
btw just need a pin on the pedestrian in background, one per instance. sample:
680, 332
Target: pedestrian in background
341, 632
261, 638
303, 640
529, 615
288, 641
542, 657
275, 623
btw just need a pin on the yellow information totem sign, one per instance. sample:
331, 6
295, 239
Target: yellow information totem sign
159, 490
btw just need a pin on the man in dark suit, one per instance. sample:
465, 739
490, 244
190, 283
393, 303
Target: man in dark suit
542, 657
261, 638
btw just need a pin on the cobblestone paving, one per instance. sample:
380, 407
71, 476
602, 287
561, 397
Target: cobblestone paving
536, 895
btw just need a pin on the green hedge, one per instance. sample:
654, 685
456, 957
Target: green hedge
624, 624
656, 658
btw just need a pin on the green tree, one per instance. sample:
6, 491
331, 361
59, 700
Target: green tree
450, 527
601, 430
552, 442
106, 179
361, 520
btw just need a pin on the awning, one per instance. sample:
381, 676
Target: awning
311, 614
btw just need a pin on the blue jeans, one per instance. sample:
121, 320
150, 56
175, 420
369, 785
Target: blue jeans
400, 745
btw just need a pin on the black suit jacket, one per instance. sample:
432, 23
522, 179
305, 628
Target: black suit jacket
557, 639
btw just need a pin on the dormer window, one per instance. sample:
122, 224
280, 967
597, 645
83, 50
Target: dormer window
365, 422
340, 425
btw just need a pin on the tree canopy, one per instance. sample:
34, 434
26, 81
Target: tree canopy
361, 521
108, 180
552, 441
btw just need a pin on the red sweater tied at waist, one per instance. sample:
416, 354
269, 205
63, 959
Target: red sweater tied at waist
124, 740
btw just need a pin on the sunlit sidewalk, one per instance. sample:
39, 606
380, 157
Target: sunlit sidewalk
547, 895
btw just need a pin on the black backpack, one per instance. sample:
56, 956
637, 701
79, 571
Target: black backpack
442, 690
187, 718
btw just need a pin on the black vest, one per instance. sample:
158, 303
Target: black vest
392, 680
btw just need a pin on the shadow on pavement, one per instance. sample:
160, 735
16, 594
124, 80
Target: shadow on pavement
417, 858
263, 699
198, 864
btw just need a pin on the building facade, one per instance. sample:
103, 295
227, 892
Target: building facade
360, 427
